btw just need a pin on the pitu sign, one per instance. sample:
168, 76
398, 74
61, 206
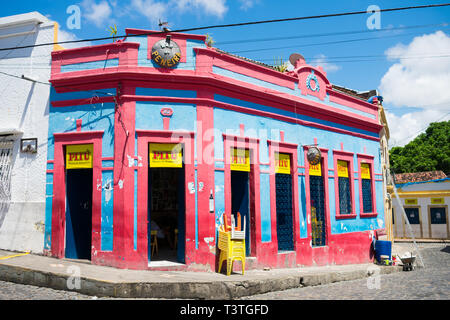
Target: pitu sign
79, 156
282, 163
165, 155
365, 171
342, 167
240, 160
166, 53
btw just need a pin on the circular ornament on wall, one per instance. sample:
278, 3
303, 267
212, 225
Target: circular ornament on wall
313, 155
312, 77
166, 53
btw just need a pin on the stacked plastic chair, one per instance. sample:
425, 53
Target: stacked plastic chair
232, 243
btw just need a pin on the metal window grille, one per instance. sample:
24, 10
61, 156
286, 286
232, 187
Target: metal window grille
284, 211
317, 195
345, 199
438, 216
5, 172
367, 195
413, 215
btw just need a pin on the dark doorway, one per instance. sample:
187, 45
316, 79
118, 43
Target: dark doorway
240, 202
285, 232
166, 214
78, 213
318, 222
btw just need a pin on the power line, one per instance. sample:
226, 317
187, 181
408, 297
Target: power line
237, 25
23, 77
314, 35
323, 43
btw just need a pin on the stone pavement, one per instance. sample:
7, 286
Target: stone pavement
429, 283
100, 281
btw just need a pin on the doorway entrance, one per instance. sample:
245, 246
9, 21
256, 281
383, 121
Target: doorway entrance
78, 213
285, 231
240, 192
317, 196
166, 208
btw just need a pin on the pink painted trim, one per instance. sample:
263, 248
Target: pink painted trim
308, 195
370, 160
175, 35
248, 111
59, 187
252, 145
79, 102
156, 136
348, 157
291, 149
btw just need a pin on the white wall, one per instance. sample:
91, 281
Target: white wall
438, 231
24, 106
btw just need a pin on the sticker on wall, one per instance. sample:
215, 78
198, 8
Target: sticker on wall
165, 155
365, 171
79, 156
315, 170
282, 163
411, 201
240, 160
342, 168
437, 200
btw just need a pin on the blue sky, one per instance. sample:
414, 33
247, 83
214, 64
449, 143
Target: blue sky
409, 63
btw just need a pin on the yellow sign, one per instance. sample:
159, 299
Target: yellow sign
437, 200
165, 155
365, 171
315, 170
79, 156
282, 163
410, 201
342, 168
240, 160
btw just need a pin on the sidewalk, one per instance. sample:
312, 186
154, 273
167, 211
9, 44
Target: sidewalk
111, 282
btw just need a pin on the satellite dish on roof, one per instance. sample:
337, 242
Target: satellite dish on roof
295, 57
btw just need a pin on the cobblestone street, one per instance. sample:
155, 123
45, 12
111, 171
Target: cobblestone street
430, 283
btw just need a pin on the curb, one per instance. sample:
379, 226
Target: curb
214, 290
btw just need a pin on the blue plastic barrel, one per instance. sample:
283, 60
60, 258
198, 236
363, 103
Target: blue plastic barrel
383, 248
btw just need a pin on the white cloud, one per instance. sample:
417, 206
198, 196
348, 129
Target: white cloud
247, 4
406, 127
216, 8
321, 60
152, 10
69, 36
97, 13
420, 78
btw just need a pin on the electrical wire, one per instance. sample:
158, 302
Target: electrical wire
236, 25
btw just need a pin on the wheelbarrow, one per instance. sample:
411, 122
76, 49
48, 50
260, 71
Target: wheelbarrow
408, 263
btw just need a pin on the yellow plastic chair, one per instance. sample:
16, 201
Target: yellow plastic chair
154, 241
230, 249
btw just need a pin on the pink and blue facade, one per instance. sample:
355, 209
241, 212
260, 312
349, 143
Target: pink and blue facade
116, 98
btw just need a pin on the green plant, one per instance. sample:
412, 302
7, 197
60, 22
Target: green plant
209, 40
113, 32
279, 65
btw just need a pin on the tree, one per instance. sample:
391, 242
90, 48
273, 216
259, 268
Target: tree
429, 151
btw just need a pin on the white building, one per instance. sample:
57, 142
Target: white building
425, 196
24, 103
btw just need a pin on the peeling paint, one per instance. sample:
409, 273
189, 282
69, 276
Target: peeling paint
120, 184
108, 190
130, 161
